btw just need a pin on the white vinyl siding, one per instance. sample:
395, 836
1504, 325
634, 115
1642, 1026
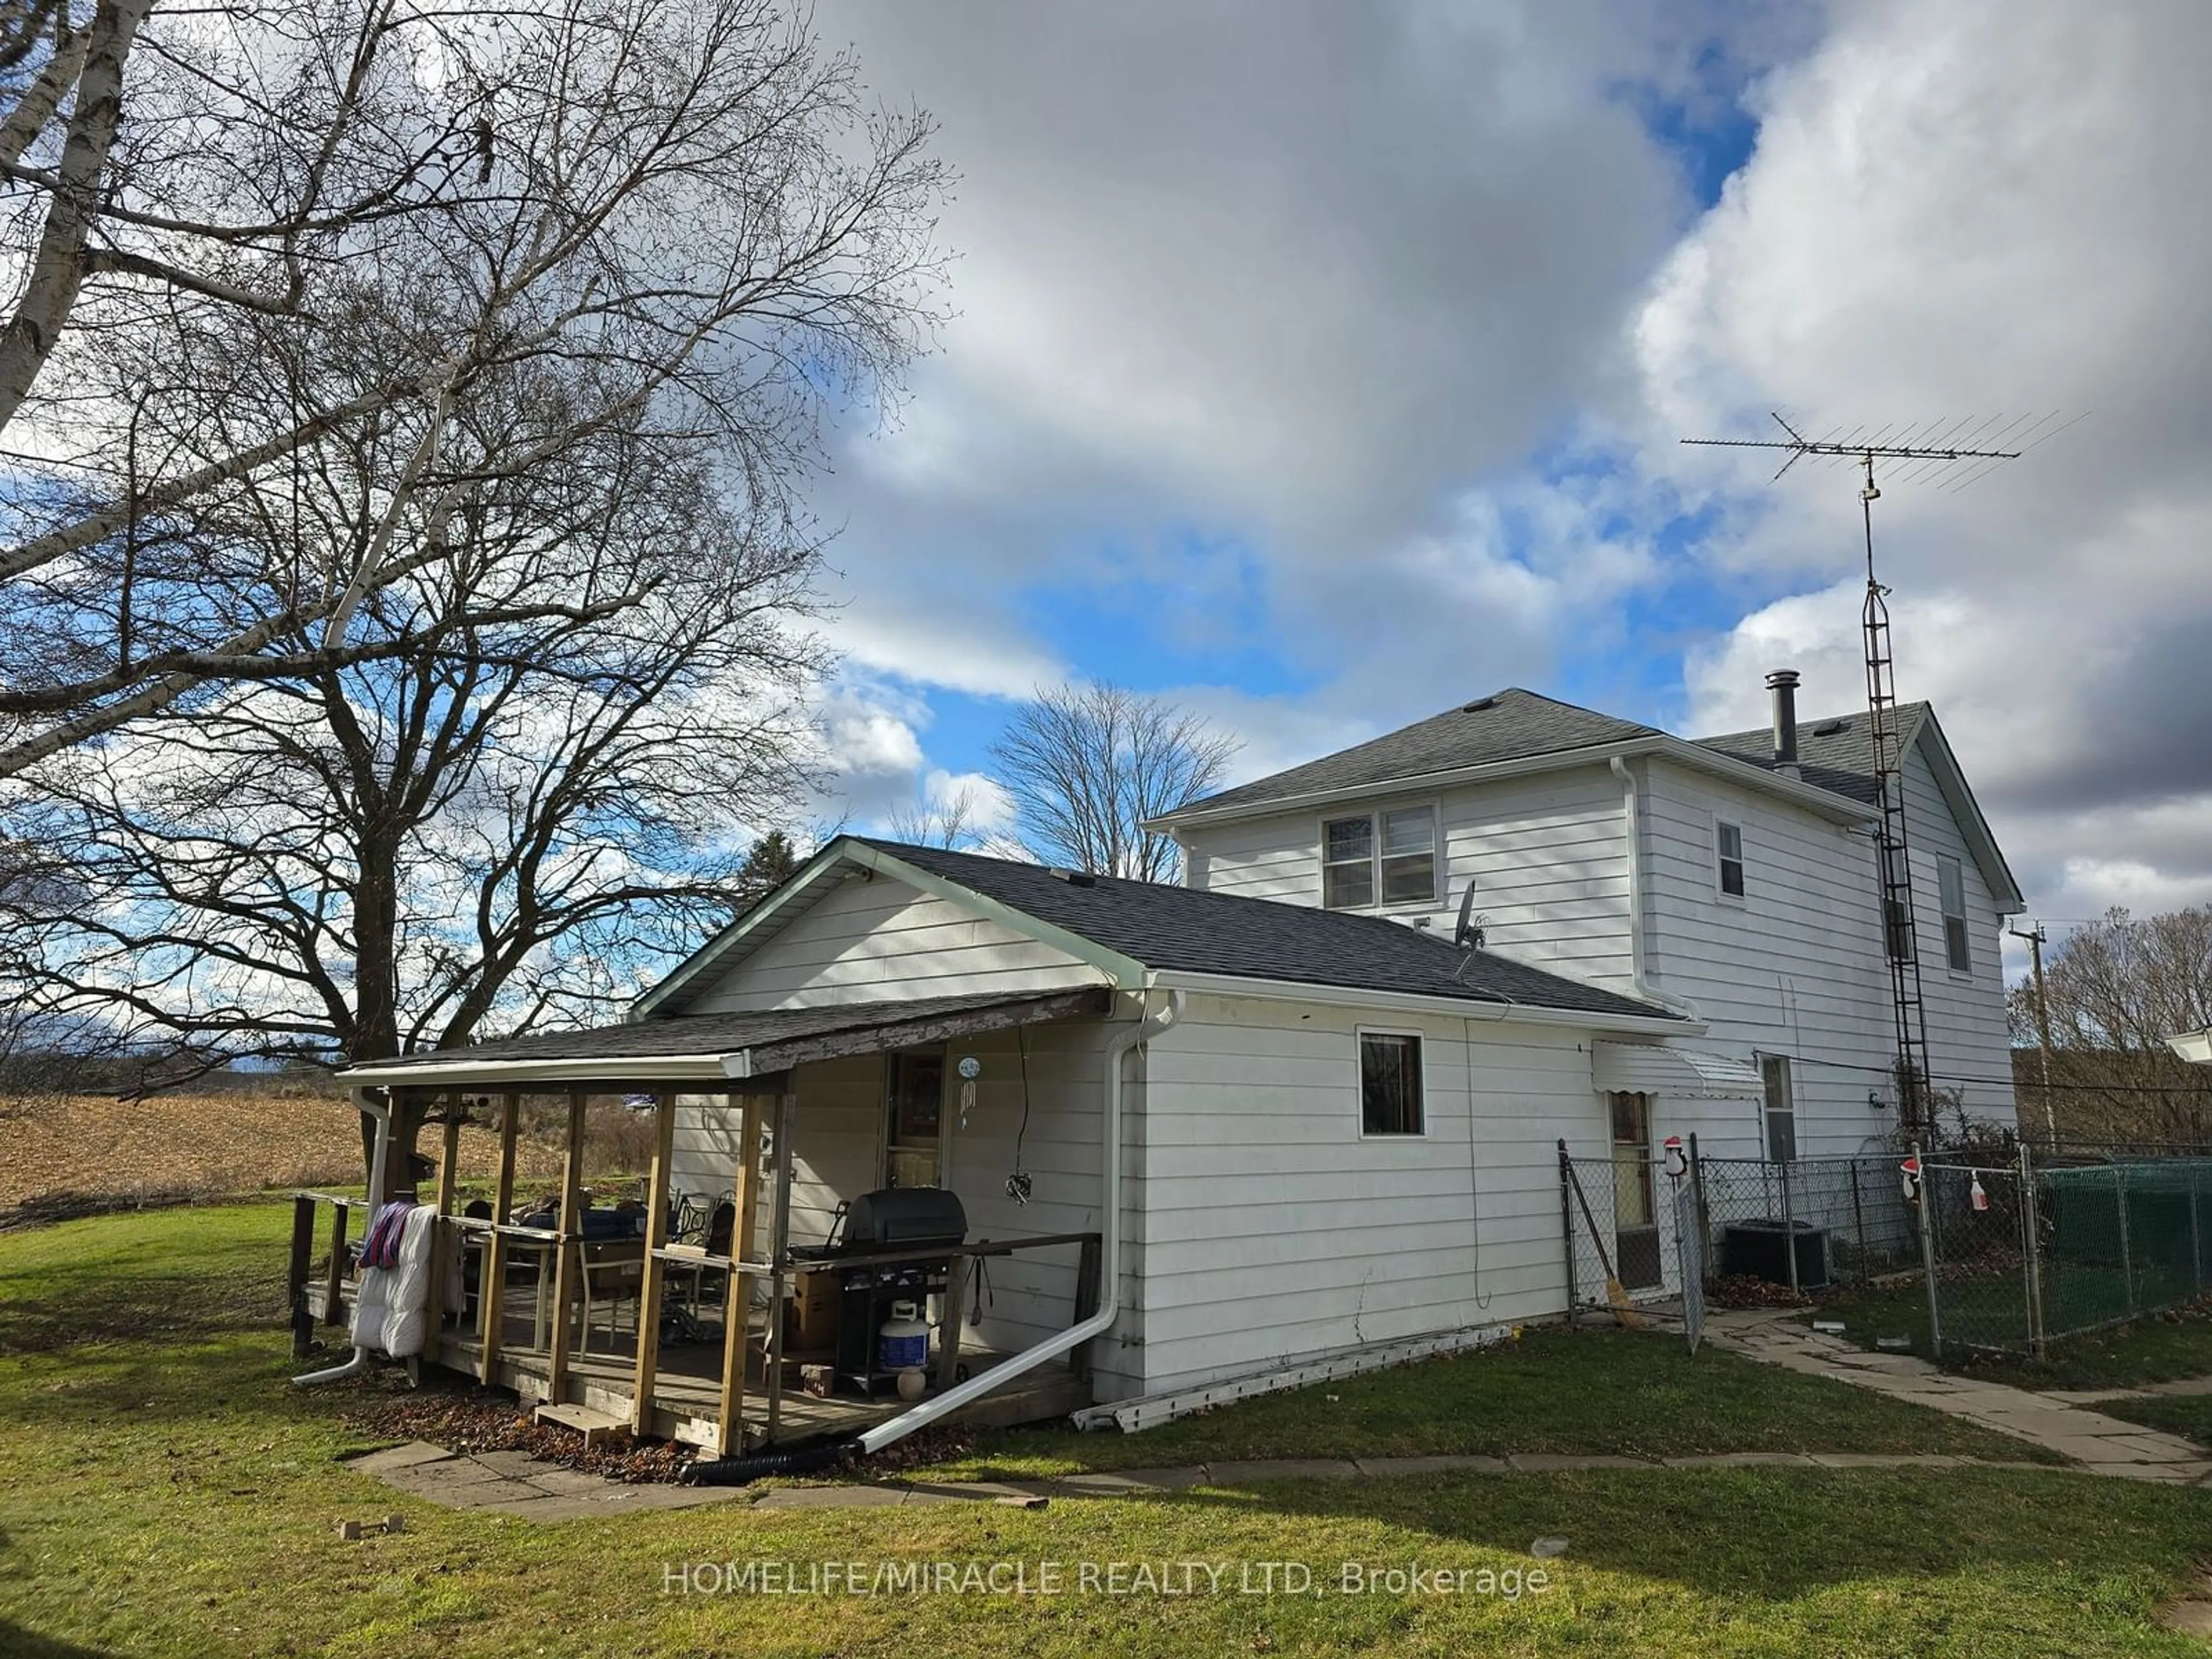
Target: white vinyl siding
1274, 1230
868, 941
1548, 856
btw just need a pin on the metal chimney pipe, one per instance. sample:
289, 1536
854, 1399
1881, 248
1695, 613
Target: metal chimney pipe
1782, 682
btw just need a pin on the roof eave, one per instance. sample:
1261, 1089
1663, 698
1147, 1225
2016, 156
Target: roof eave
1825, 802
1412, 1002
429, 1072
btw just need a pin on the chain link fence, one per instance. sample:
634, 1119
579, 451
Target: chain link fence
2019, 1253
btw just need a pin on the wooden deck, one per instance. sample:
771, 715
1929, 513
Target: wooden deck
688, 1392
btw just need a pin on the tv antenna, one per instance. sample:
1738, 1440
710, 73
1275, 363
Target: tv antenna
1956, 455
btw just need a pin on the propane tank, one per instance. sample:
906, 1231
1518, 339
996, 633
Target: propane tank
904, 1342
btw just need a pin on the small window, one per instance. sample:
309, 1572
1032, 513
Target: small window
1956, 946
1409, 855
1347, 862
1389, 1084
1781, 1107
1728, 846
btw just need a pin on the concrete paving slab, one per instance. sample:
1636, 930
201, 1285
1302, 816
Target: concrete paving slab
1558, 1463
1122, 1481
1236, 1472
413, 1454
1392, 1468
833, 1497
1743, 1459
1884, 1460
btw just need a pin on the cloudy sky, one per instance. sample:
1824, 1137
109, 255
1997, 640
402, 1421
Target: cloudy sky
1323, 365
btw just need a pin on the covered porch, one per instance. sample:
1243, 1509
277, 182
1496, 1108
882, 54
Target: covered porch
719, 1301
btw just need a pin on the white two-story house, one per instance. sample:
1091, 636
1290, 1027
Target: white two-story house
1731, 878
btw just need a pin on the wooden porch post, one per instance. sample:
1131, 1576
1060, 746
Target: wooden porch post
443, 1243
1087, 1287
296, 1277
567, 1260
649, 1286
491, 1282
779, 1263
738, 1290
333, 1310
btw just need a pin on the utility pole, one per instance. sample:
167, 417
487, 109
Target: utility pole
2042, 1028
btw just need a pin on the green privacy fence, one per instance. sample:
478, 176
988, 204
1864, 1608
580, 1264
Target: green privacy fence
2020, 1256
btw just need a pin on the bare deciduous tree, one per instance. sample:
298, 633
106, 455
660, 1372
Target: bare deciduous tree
299, 229
950, 820
515, 819
2118, 989
1088, 765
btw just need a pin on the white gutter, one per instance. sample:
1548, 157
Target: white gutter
378, 1160
1110, 1254
1412, 1002
1633, 828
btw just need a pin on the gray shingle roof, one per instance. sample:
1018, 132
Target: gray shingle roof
1835, 752
1182, 929
1507, 725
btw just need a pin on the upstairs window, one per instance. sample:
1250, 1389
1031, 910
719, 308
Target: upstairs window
1391, 854
1347, 862
1728, 854
1951, 880
1781, 1107
1390, 1085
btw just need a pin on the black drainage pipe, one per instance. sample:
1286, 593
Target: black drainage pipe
804, 1457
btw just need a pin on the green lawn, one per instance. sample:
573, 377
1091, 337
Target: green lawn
1556, 1390
2157, 1349
2189, 1415
162, 1492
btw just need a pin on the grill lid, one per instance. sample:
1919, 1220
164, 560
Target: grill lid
893, 1216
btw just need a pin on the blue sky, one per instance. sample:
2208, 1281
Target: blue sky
1322, 376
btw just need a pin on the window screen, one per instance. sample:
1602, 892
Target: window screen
1956, 945
1728, 838
1389, 1084
1347, 862
1409, 855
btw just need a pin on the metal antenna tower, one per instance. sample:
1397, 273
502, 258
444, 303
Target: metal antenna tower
1915, 452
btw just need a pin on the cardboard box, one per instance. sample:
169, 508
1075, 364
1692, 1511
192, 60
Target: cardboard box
812, 1320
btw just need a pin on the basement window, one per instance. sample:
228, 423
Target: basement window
1390, 1085
1727, 853
1392, 854
1951, 878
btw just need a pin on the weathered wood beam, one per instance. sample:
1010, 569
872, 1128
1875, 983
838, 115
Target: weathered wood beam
333, 1312
295, 1274
920, 1033
491, 1281
655, 1272
1087, 1287
737, 1288
443, 1243
567, 1252
787, 1125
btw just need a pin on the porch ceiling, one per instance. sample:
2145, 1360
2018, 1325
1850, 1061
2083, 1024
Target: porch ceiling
719, 1050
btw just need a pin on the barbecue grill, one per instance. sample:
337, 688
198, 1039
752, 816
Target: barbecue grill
887, 1219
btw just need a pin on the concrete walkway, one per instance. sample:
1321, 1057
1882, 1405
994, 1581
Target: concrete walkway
2060, 1423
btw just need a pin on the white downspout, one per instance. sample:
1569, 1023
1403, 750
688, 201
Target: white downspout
1109, 1254
1633, 829
378, 1160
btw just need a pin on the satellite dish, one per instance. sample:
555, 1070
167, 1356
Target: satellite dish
1467, 936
